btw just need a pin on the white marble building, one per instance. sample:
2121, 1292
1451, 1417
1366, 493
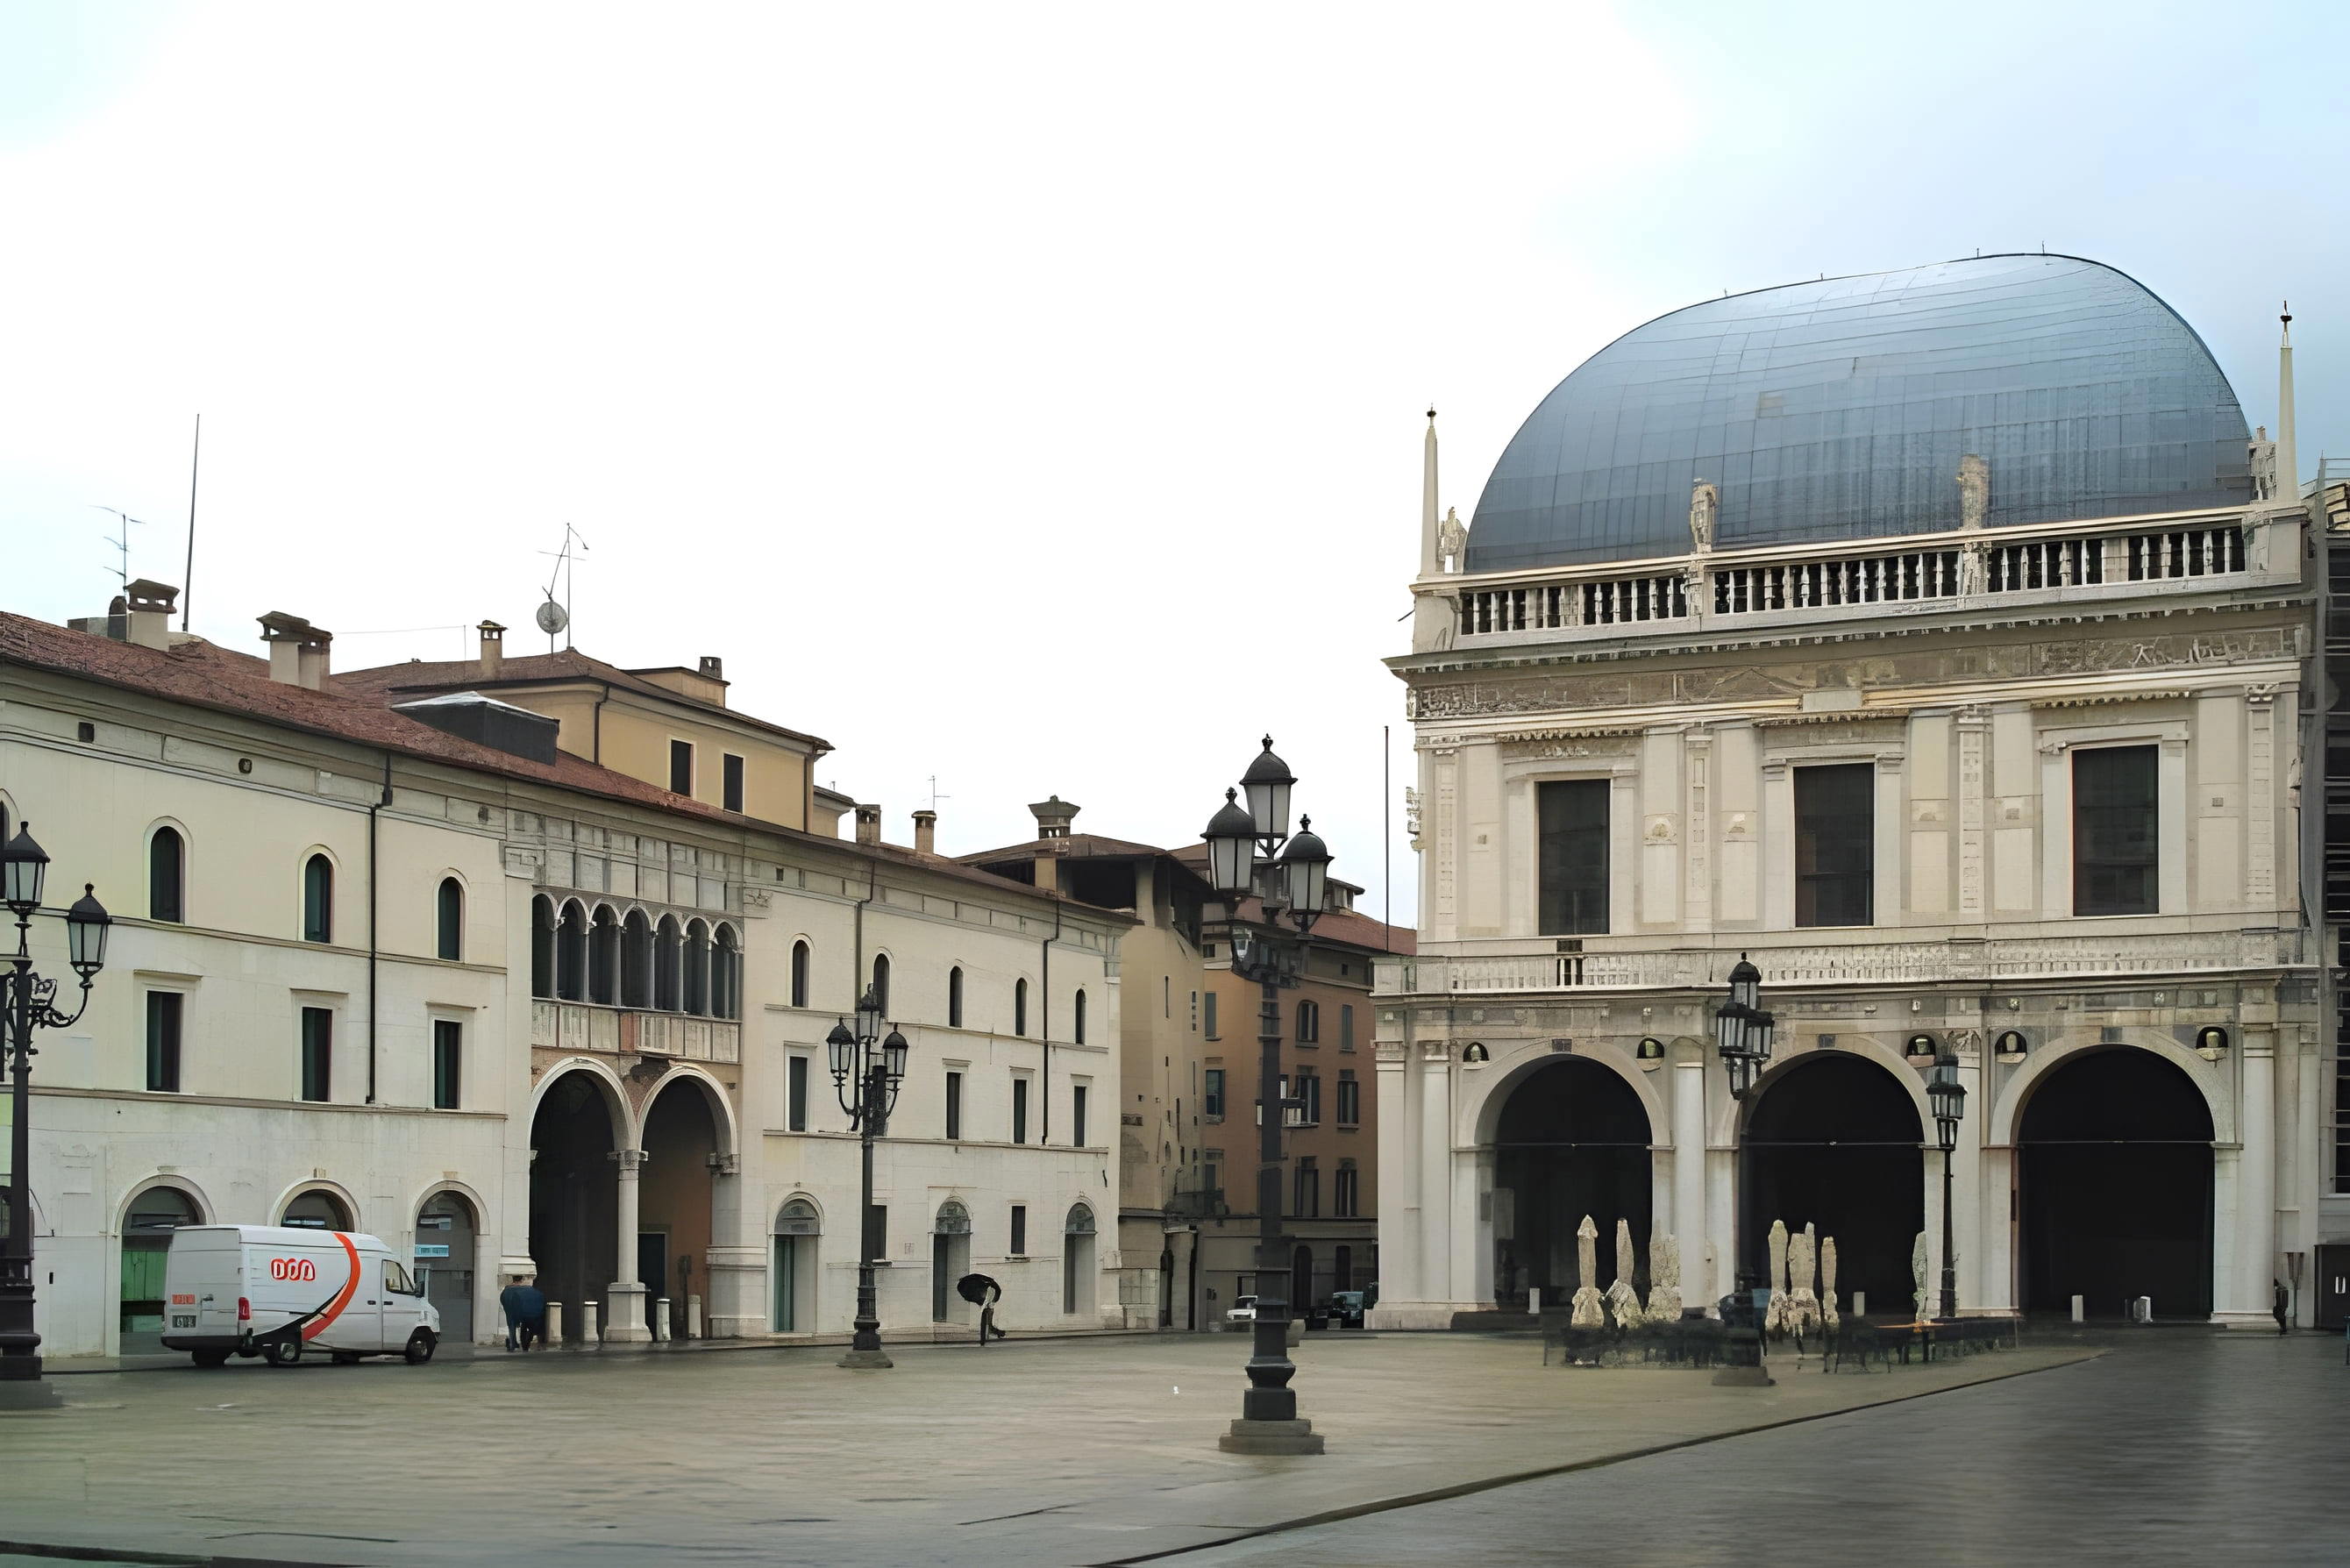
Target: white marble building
1937, 638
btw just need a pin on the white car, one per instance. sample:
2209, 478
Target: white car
1243, 1311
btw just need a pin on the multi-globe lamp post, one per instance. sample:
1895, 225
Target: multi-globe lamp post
1271, 951
30, 1003
1948, 1097
868, 1067
1742, 1037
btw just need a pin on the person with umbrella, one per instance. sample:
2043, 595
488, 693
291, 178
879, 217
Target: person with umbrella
983, 1293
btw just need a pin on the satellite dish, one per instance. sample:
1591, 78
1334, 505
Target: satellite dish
553, 617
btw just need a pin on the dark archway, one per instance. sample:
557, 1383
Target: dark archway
2115, 1177
1573, 1141
673, 1213
1835, 1140
574, 1195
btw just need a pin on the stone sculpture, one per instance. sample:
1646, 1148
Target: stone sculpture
1585, 1311
1827, 1282
1451, 541
1664, 1277
1917, 1274
1705, 501
1623, 1300
1974, 491
2263, 463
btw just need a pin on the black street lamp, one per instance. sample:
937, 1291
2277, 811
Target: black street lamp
1949, 1098
867, 1070
1266, 952
1742, 1037
30, 1004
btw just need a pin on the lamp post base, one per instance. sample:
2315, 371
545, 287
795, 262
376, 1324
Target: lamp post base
1743, 1378
1249, 1437
866, 1360
30, 1393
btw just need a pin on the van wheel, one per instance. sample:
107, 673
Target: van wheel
346, 1358
282, 1352
420, 1348
209, 1357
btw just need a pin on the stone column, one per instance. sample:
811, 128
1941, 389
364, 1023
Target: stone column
738, 1272
2256, 1263
2171, 821
1688, 1170
1966, 1178
1778, 847
1888, 893
1435, 1207
1399, 1198
625, 1324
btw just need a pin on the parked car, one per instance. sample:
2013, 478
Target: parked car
1243, 1311
1346, 1308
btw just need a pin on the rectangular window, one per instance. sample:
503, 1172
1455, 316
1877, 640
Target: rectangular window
1211, 1004
733, 782
163, 1012
1019, 1110
448, 1062
1212, 1102
317, 1051
877, 1232
2116, 853
1345, 1192
1309, 1024
1309, 1092
1350, 1100
954, 1104
1020, 1229
1573, 854
1836, 844
796, 1111
1077, 1116
1347, 1026
1305, 1200
680, 767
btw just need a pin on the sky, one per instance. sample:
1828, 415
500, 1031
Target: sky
1026, 397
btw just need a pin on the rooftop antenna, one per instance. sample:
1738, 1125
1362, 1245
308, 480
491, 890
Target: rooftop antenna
123, 544
935, 795
554, 614
188, 577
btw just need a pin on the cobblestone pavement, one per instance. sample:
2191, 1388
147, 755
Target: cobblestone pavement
2175, 1449
1038, 1454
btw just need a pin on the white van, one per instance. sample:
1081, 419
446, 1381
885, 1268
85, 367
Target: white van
278, 1290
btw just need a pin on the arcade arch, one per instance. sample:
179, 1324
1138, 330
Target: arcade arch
1834, 1139
1571, 1138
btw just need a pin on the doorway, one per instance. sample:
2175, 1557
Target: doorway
1833, 1141
2115, 1197
147, 1228
446, 1233
2332, 1287
574, 1194
1572, 1143
792, 1282
950, 1261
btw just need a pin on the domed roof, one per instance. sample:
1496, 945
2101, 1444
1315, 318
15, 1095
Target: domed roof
1839, 409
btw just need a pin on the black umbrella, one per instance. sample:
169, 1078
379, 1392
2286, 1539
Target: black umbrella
979, 1290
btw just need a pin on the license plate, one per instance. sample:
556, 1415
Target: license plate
186, 1321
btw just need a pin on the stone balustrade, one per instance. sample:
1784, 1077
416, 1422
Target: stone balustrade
586, 1028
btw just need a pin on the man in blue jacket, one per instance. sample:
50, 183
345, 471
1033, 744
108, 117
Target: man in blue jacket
525, 1310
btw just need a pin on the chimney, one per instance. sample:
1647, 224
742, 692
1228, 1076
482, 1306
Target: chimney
298, 650
926, 832
148, 606
869, 823
494, 647
714, 666
1052, 816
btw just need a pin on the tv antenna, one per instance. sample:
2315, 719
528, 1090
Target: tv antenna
123, 544
935, 795
554, 614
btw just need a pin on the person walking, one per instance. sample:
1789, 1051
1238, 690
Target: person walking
526, 1309
983, 1293
2281, 1304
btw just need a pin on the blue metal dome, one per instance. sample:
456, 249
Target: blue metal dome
1839, 409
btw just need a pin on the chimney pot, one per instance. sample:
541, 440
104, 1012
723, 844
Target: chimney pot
869, 823
493, 648
147, 610
1052, 816
926, 832
298, 650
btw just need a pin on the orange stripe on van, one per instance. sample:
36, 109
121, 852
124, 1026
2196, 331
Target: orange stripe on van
334, 1309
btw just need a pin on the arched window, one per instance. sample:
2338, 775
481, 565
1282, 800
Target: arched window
1077, 1020
2010, 1044
954, 998
166, 875
1309, 1023
881, 983
697, 967
317, 1209
604, 955
799, 974
571, 953
725, 976
1475, 1052
636, 960
1019, 1007
542, 947
669, 963
318, 899
449, 919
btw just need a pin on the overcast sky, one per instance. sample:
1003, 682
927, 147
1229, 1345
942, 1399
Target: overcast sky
1029, 396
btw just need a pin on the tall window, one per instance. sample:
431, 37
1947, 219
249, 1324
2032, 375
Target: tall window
799, 974
449, 919
318, 899
1350, 1099
2116, 853
1019, 1110
163, 1014
680, 767
1210, 1002
448, 1062
954, 1104
1309, 1095
1020, 1229
1307, 1196
1212, 1102
955, 999
1346, 1193
1019, 1007
881, 983
542, 946
1836, 844
1345, 1026
1309, 1024
166, 875
1572, 854
1077, 1116
796, 1111
733, 772
726, 975
1077, 1020
317, 1053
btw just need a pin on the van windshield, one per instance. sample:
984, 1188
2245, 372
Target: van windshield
396, 1280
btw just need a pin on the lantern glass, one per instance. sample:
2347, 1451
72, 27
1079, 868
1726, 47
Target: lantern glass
87, 924
1230, 836
1759, 1034
869, 1016
1267, 783
843, 1047
1745, 983
893, 1055
1305, 868
23, 865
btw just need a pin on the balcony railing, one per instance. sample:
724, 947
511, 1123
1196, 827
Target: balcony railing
581, 1026
1997, 957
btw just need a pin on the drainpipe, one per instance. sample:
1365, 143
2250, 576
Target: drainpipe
1044, 1085
596, 741
382, 800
